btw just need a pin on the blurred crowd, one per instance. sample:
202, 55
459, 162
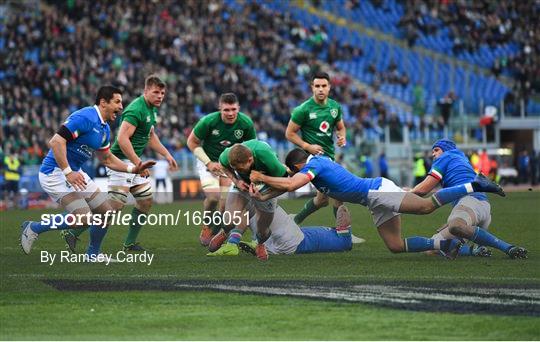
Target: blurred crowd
493, 23
54, 58
54, 55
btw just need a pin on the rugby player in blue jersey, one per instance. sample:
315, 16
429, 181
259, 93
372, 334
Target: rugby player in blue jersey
384, 199
471, 215
85, 131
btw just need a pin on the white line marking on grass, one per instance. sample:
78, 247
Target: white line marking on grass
376, 294
275, 277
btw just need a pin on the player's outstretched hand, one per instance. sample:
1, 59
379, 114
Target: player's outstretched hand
254, 192
76, 179
341, 140
173, 166
240, 184
256, 176
142, 168
215, 169
315, 149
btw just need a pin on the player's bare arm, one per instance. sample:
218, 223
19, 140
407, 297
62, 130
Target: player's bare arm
292, 135
58, 146
155, 144
341, 132
124, 134
240, 184
195, 146
114, 163
281, 183
426, 186
268, 195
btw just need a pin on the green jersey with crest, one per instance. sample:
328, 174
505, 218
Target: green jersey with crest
264, 157
216, 135
143, 117
317, 123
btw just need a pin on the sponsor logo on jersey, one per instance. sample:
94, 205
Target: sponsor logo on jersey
215, 132
225, 143
333, 112
324, 126
103, 138
147, 119
86, 150
312, 116
238, 133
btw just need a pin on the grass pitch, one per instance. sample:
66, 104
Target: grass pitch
30, 308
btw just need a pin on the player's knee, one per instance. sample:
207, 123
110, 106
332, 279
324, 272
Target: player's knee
144, 205
213, 198
117, 199
82, 217
143, 197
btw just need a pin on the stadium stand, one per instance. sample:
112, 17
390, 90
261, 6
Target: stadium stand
54, 55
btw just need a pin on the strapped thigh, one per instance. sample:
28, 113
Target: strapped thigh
98, 200
75, 205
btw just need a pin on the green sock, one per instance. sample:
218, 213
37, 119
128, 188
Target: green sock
134, 227
308, 209
77, 232
335, 211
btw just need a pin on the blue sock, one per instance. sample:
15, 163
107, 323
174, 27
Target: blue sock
234, 236
44, 226
451, 194
97, 233
418, 244
465, 250
485, 238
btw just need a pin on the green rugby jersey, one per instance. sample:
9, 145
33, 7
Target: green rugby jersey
143, 117
317, 123
265, 160
216, 135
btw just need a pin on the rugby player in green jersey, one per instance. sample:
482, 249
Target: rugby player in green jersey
135, 133
238, 162
210, 137
317, 119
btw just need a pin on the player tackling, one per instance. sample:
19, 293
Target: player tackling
384, 199
471, 214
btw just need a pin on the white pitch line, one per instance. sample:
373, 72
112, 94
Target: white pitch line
280, 277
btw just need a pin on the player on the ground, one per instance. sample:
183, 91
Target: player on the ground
135, 133
210, 137
288, 238
60, 175
238, 161
471, 215
384, 199
317, 118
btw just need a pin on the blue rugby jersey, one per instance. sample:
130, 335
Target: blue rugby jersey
453, 168
337, 182
90, 133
